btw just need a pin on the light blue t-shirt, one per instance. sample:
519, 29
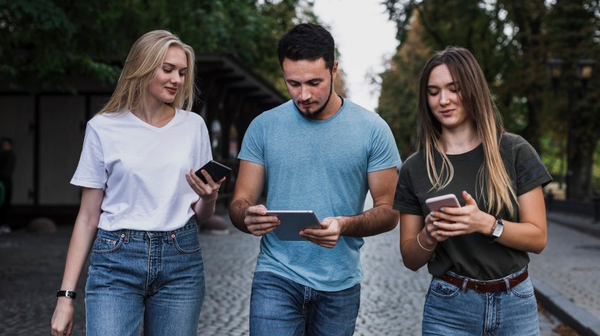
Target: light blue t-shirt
320, 166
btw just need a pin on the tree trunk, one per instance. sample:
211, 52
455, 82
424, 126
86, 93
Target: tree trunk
580, 160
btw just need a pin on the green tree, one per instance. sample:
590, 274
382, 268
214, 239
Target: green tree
45, 40
398, 99
467, 24
513, 40
573, 26
524, 81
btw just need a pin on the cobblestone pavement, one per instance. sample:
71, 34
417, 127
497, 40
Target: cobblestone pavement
392, 296
570, 265
391, 300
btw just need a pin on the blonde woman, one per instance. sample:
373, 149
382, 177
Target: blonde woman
477, 253
141, 201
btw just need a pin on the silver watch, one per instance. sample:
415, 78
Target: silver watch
497, 230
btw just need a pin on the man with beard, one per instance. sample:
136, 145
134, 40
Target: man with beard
317, 152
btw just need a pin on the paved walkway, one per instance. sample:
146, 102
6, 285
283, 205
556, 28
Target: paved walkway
392, 297
566, 274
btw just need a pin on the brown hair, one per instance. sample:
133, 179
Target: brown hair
475, 96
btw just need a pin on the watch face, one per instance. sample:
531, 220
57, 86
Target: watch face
499, 228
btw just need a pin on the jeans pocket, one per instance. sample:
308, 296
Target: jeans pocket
107, 242
187, 241
442, 289
524, 289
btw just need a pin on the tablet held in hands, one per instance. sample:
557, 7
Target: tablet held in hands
294, 221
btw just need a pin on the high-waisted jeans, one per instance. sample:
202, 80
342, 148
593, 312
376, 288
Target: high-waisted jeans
149, 278
453, 311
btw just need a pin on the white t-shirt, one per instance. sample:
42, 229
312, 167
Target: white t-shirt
142, 169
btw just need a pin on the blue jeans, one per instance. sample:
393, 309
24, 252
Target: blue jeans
451, 311
282, 307
145, 277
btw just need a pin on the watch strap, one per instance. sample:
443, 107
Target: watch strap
66, 293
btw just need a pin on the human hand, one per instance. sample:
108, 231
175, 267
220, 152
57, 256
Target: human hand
451, 221
327, 236
258, 222
432, 229
62, 319
206, 191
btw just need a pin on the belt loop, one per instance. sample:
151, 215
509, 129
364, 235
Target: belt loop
507, 284
170, 236
463, 288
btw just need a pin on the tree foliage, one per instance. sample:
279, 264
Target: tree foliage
399, 90
574, 28
513, 41
45, 40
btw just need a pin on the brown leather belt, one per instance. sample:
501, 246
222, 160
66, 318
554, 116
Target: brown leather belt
485, 286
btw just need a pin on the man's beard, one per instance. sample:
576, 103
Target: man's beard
315, 115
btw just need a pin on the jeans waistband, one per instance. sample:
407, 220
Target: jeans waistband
126, 233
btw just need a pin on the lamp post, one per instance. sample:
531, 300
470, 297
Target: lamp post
584, 73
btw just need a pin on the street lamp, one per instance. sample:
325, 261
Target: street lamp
584, 73
555, 66
585, 68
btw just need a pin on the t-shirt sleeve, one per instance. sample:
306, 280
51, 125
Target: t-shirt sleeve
205, 145
531, 172
91, 171
253, 145
405, 199
384, 153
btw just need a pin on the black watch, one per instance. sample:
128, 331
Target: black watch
66, 293
497, 230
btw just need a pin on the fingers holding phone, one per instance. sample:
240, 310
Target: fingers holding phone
207, 180
204, 190
215, 170
448, 221
439, 224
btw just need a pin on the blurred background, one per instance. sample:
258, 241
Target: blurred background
60, 59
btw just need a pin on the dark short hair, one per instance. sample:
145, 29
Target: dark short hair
307, 41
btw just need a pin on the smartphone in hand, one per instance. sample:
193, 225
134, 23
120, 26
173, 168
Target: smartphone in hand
448, 200
215, 169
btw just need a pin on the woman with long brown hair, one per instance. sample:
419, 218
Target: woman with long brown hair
477, 253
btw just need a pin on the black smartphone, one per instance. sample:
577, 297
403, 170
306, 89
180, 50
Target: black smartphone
216, 170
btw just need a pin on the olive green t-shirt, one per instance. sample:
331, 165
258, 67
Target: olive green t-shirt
472, 255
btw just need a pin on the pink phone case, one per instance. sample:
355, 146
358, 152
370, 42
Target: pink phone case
448, 200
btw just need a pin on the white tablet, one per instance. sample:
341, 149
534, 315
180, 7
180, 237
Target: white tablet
293, 221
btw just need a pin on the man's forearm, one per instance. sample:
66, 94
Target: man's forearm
374, 221
237, 210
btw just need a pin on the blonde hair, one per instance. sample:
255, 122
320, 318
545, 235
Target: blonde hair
145, 56
476, 99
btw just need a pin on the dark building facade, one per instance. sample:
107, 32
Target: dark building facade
48, 127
